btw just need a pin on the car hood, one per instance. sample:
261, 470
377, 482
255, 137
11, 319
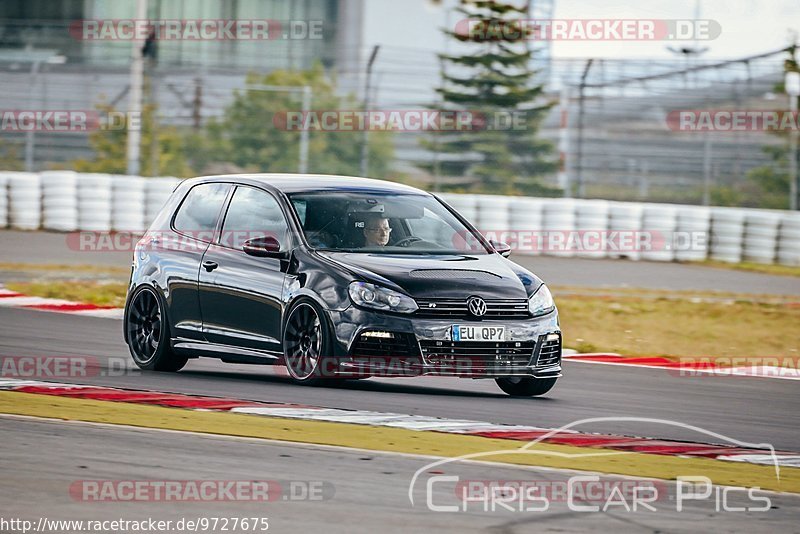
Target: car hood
442, 276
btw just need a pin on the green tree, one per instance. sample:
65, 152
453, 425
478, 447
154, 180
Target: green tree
10, 160
493, 81
252, 134
110, 149
768, 186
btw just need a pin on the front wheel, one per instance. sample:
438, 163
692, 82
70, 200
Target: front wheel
523, 386
148, 333
306, 344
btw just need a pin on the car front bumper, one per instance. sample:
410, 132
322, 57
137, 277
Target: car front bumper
430, 350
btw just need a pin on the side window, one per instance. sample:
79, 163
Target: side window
197, 215
253, 213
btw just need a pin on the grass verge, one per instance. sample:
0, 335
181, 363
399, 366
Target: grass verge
781, 270
629, 322
102, 294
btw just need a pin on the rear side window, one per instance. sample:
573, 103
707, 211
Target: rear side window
197, 216
253, 213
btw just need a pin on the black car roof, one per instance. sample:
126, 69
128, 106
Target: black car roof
296, 183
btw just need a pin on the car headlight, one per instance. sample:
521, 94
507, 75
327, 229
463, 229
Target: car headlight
380, 298
541, 303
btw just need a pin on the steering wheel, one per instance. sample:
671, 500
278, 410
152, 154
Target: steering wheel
407, 241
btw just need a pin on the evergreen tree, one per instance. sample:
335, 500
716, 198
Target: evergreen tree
494, 82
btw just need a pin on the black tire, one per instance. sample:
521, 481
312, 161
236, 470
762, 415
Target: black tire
307, 345
148, 333
523, 386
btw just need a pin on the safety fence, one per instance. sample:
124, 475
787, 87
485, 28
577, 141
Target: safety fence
68, 201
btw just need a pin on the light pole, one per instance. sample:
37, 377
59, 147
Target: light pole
135, 96
792, 84
30, 135
367, 90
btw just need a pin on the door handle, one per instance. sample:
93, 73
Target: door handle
210, 265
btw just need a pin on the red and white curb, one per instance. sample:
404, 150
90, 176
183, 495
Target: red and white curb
11, 299
689, 368
418, 423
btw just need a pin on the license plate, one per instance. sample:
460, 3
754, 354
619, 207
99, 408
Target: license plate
478, 333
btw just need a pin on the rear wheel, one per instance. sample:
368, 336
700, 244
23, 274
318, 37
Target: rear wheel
148, 333
306, 344
523, 386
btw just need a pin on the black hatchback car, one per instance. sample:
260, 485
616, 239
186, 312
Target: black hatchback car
335, 277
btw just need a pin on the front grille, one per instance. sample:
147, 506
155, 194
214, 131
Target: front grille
457, 309
401, 346
549, 352
477, 354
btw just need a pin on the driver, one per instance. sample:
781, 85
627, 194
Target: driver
377, 232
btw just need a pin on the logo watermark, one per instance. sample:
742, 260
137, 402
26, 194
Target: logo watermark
66, 121
258, 491
195, 29
588, 241
732, 120
589, 29
64, 367
591, 493
727, 366
419, 120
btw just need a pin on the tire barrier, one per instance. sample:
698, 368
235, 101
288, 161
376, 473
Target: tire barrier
128, 203
68, 201
761, 236
466, 205
694, 223
789, 240
525, 221
727, 234
3, 200
492, 216
625, 217
591, 219
558, 222
94, 202
24, 200
661, 221
59, 200
157, 192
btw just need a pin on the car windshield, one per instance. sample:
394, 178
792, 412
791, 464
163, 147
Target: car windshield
381, 222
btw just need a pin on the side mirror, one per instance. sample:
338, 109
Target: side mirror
263, 247
503, 249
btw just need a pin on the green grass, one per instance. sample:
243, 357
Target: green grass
103, 294
635, 326
782, 270
631, 322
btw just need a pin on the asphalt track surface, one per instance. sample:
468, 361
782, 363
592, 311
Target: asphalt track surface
748, 409
58, 248
360, 491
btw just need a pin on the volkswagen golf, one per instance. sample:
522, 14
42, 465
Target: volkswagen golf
335, 278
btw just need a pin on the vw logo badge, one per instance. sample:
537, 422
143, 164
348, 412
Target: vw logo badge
476, 306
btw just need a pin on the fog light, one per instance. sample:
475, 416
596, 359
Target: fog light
552, 337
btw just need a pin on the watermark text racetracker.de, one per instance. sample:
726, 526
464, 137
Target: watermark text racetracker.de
66, 120
44, 367
254, 491
195, 29
408, 120
589, 29
255, 523
531, 241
